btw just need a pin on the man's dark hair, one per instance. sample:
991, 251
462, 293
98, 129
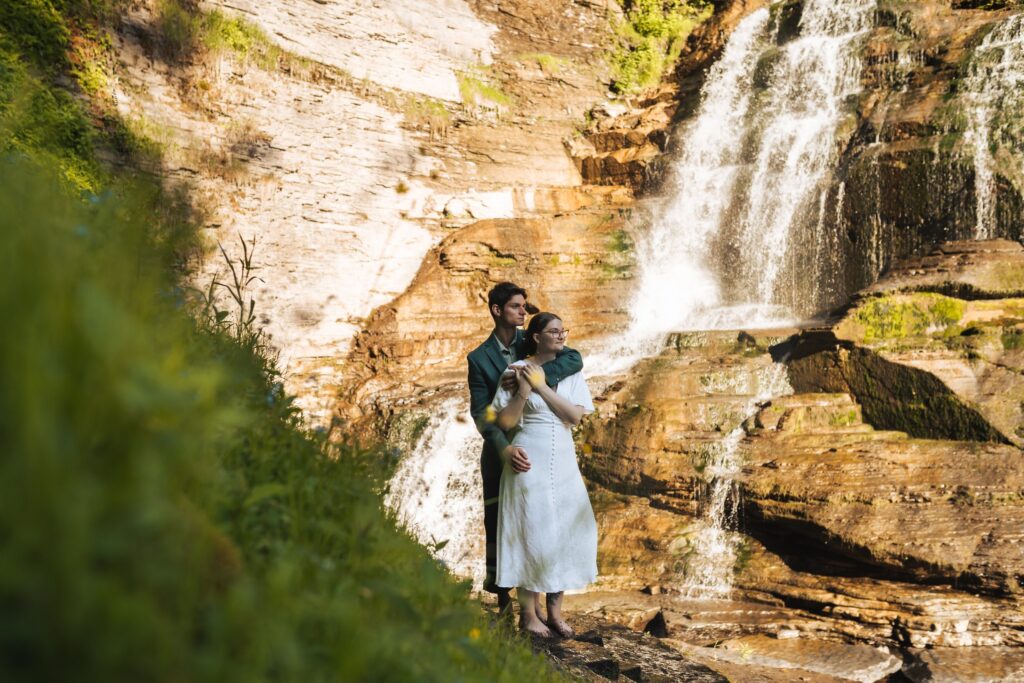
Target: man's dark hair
501, 293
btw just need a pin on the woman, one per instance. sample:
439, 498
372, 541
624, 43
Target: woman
547, 535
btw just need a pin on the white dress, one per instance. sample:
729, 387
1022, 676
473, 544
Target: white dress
547, 535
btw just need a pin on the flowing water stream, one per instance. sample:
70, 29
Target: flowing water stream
715, 543
993, 97
722, 253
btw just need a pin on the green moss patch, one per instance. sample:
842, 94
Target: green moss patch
480, 90
899, 316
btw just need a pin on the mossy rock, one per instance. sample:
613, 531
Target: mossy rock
898, 316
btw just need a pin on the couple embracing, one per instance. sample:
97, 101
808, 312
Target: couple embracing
526, 393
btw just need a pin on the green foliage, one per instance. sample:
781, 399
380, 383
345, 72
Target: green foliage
651, 38
179, 29
186, 31
164, 515
35, 29
620, 242
1013, 339
45, 123
427, 111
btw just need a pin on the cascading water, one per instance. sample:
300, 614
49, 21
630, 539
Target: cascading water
745, 193
709, 569
436, 489
677, 275
750, 172
794, 129
993, 95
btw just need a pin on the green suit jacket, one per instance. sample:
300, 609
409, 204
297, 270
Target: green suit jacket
486, 365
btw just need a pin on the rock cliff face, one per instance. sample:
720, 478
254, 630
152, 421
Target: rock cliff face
928, 363
915, 156
383, 128
574, 260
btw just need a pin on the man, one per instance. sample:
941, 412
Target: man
508, 308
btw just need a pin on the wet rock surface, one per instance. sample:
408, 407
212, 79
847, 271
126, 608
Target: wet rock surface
640, 637
653, 432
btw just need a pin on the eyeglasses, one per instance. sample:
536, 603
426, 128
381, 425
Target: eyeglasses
562, 334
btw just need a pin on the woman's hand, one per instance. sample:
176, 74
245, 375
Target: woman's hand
535, 375
523, 381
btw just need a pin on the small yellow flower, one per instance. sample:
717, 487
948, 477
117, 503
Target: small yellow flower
474, 633
536, 377
490, 414
586, 448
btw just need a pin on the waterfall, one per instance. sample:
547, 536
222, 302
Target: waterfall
993, 95
709, 568
753, 162
676, 262
795, 128
435, 492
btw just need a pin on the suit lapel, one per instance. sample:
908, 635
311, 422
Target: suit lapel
493, 351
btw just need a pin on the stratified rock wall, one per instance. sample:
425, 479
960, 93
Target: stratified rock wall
387, 126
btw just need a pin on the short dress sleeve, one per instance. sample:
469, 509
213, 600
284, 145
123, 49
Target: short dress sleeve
501, 399
578, 393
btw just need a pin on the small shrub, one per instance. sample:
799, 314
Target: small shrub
650, 40
179, 29
1013, 339
420, 111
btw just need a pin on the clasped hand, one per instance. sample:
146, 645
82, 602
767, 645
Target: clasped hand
524, 379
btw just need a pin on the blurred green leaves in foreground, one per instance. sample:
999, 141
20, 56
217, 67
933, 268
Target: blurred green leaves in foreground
163, 515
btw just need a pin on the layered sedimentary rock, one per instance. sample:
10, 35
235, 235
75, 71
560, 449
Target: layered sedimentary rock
626, 142
574, 261
925, 510
382, 127
868, 533
656, 430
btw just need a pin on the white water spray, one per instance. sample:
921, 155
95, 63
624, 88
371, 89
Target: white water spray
993, 97
796, 126
436, 490
677, 278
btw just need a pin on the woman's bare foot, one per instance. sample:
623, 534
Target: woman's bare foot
561, 627
535, 627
